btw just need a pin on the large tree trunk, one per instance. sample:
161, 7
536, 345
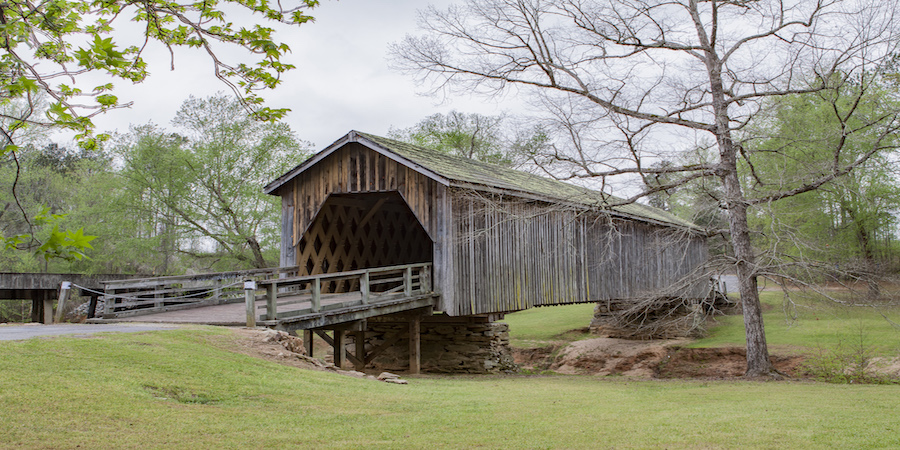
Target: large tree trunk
758, 363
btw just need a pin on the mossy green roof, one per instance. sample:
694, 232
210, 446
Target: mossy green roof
464, 171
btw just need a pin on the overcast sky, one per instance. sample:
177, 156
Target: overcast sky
342, 81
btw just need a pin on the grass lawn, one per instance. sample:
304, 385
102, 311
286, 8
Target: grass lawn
819, 324
172, 389
538, 327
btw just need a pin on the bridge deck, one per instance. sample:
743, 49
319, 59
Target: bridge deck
290, 303
345, 308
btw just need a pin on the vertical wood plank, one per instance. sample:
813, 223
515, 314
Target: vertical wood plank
65, 290
415, 344
250, 302
338, 348
360, 341
316, 295
271, 304
308, 342
364, 287
407, 282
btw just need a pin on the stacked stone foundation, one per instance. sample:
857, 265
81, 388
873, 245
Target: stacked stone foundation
471, 344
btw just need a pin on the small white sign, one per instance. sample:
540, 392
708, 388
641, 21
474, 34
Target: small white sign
250, 285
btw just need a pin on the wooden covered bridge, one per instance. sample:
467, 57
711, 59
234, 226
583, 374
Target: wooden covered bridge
382, 239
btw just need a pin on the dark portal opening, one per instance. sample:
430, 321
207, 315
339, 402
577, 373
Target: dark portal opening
362, 231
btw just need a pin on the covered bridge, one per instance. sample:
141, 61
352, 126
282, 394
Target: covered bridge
385, 243
500, 240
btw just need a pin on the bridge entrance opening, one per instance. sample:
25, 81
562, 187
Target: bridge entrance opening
362, 231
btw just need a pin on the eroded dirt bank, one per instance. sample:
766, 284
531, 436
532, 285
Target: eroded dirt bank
645, 359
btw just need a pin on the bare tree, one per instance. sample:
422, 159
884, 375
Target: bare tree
633, 81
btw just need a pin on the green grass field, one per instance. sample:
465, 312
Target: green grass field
172, 389
538, 327
184, 389
813, 323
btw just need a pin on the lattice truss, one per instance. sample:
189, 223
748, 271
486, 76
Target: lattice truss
358, 232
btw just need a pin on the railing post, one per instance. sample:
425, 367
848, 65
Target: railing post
65, 289
425, 278
407, 282
109, 303
316, 295
271, 304
364, 287
250, 299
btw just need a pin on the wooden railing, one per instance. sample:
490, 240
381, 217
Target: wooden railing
150, 295
303, 295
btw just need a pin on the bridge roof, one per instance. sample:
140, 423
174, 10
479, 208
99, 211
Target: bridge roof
455, 171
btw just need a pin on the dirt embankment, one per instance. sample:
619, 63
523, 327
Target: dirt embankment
599, 356
646, 359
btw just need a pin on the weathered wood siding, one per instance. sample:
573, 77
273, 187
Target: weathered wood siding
510, 255
629, 259
355, 168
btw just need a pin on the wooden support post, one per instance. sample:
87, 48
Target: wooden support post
92, 306
360, 338
65, 289
364, 287
425, 279
250, 301
415, 328
271, 298
407, 282
37, 305
308, 342
338, 348
316, 295
109, 303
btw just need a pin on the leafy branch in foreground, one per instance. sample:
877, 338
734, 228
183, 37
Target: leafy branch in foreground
67, 245
48, 48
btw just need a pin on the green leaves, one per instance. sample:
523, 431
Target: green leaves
68, 245
846, 135
50, 46
50, 29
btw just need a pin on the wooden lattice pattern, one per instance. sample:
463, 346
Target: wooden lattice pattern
360, 232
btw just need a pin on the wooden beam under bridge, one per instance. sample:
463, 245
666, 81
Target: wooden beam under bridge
360, 358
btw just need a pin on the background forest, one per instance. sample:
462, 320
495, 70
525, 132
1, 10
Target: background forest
158, 200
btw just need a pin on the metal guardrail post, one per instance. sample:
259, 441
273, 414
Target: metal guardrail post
250, 299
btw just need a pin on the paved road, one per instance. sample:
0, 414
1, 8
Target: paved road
16, 332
